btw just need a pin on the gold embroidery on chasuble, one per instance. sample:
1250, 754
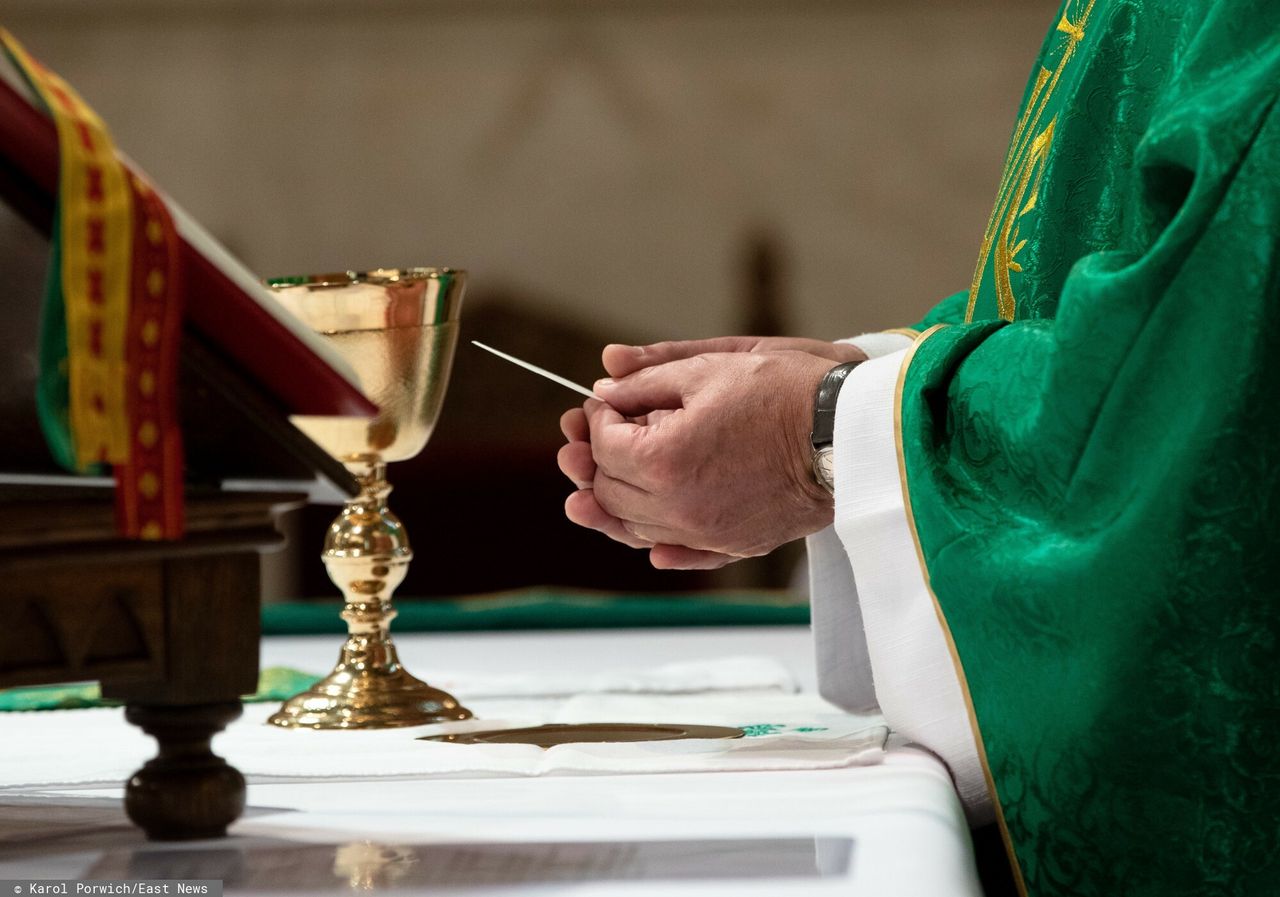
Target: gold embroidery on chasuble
1023, 170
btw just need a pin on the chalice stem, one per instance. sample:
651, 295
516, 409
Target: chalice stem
367, 581
367, 555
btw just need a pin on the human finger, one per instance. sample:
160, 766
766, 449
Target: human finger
617, 443
634, 505
576, 462
678, 557
582, 508
629, 452
676, 553
600, 414
573, 424
649, 389
621, 360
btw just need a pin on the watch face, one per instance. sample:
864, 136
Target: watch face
824, 468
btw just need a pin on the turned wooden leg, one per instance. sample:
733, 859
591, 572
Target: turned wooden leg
186, 791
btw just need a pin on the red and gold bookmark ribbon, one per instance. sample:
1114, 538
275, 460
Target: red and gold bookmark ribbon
96, 229
149, 484
117, 280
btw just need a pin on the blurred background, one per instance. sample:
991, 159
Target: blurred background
607, 170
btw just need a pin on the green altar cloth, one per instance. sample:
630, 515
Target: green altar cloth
553, 609
274, 684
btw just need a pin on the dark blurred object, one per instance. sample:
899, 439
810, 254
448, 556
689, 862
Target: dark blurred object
763, 285
24, 256
994, 870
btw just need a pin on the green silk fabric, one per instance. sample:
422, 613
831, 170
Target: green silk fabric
1093, 462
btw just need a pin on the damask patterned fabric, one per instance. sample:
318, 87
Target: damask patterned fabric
1091, 447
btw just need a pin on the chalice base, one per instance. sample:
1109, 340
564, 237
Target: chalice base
353, 698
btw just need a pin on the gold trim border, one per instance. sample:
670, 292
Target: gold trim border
937, 608
903, 331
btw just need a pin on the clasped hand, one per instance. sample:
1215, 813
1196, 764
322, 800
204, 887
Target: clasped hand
699, 451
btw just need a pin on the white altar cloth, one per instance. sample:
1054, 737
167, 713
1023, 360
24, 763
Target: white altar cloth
894, 827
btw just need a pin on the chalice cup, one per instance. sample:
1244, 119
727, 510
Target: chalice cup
398, 328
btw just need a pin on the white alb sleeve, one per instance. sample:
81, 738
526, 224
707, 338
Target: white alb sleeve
844, 669
916, 681
840, 648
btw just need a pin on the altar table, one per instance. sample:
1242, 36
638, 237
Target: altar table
891, 828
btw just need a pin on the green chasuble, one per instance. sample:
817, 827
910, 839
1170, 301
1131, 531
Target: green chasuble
1091, 449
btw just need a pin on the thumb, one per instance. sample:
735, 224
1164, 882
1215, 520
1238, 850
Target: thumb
620, 360
647, 390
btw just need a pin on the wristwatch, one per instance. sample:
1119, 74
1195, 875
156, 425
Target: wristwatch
824, 424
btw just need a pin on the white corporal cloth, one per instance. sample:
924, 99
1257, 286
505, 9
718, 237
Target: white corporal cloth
785, 731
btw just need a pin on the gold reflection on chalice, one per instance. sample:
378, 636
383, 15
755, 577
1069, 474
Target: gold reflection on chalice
398, 328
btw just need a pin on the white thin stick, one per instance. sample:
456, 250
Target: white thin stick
537, 370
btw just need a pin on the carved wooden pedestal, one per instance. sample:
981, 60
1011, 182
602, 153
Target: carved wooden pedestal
170, 628
187, 791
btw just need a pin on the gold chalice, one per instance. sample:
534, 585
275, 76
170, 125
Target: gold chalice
398, 329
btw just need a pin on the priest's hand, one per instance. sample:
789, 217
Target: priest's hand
704, 459
621, 360
581, 507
